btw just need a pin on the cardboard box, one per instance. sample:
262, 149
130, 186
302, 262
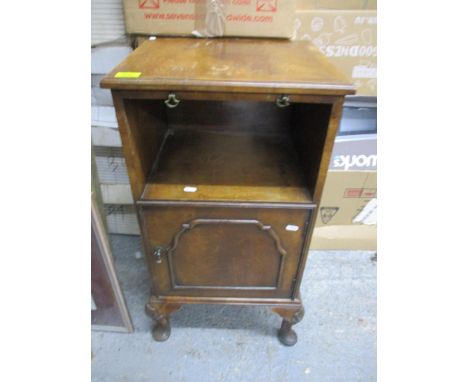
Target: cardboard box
331, 4
208, 18
103, 60
345, 195
345, 237
371, 4
122, 219
110, 165
348, 39
106, 58
347, 212
103, 116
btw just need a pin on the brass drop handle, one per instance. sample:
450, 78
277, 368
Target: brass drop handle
282, 101
172, 101
158, 252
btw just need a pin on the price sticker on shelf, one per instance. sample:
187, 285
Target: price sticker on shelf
190, 189
127, 74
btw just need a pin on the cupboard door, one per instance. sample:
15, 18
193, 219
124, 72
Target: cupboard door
224, 252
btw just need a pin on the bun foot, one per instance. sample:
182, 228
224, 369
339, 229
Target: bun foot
161, 330
286, 334
291, 316
159, 311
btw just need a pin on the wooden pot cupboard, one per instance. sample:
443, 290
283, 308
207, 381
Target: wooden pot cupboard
227, 143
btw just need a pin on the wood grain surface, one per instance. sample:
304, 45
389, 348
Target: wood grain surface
230, 65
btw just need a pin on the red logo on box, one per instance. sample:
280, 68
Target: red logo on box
266, 5
369, 193
353, 192
360, 193
148, 4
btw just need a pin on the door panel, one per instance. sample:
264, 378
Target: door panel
223, 252
226, 253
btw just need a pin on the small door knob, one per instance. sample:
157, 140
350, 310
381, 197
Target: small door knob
158, 252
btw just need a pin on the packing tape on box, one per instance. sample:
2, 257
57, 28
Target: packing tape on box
210, 18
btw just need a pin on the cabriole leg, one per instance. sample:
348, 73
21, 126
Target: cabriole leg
160, 312
290, 316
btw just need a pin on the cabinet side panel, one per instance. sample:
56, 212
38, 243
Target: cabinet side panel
142, 126
309, 132
332, 128
327, 136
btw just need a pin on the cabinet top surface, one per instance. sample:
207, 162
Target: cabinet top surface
228, 65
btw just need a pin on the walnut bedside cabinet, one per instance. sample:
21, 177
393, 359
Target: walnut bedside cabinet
227, 144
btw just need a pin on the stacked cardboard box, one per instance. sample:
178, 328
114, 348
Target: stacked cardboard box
346, 32
335, 4
254, 18
110, 164
347, 213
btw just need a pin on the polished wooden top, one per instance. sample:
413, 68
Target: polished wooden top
229, 65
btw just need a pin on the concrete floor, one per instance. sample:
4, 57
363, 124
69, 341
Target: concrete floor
337, 337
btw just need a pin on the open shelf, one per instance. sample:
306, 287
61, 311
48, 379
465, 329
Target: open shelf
227, 151
227, 166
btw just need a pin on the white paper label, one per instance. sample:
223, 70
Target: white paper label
292, 227
362, 71
190, 189
368, 215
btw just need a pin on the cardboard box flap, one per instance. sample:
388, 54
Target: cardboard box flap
347, 38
